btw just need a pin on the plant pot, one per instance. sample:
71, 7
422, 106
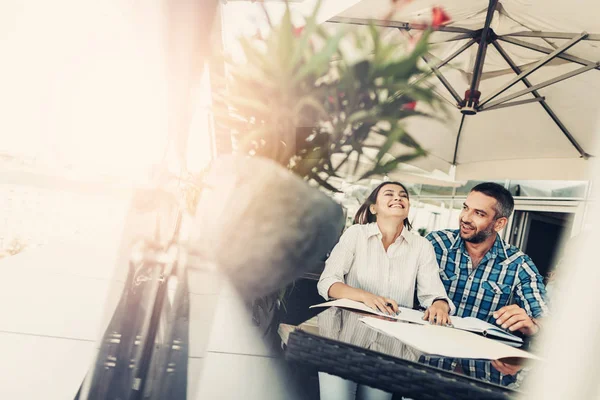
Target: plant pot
262, 225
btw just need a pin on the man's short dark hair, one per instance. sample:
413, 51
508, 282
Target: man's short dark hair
505, 202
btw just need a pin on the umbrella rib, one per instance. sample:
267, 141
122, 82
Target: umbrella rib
462, 121
454, 38
553, 35
443, 97
513, 103
399, 24
442, 79
456, 53
540, 86
546, 50
534, 68
436, 71
543, 103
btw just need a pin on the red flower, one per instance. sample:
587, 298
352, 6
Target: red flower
439, 17
298, 31
410, 106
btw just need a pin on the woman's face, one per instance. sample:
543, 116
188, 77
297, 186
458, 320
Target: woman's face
392, 202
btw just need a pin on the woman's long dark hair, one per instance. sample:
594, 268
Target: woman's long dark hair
364, 214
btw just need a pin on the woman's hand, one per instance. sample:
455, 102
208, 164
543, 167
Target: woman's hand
380, 303
437, 313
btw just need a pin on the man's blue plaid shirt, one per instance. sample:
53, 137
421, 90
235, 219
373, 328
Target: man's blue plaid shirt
504, 276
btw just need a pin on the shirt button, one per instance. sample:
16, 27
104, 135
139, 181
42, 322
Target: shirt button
465, 298
470, 278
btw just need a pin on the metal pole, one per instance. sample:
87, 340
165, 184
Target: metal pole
512, 104
397, 24
545, 50
540, 85
462, 121
552, 35
534, 68
545, 105
444, 81
456, 53
483, 42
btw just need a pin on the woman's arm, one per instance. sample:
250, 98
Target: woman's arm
430, 288
332, 283
339, 262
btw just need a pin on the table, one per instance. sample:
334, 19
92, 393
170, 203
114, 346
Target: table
336, 342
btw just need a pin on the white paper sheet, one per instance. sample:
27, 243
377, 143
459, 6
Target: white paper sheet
356, 305
446, 342
409, 315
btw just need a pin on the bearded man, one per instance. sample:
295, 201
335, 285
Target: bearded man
484, 276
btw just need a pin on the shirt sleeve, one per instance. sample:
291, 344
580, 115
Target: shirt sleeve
530, 290
429, 284
339, 262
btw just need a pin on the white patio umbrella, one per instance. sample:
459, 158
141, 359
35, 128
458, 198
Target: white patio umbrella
520, 81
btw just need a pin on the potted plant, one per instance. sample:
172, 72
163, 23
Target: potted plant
319, 102
313, 104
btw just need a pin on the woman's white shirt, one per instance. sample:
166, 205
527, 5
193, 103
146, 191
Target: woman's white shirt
360, 260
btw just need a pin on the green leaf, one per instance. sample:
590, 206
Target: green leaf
308, 102
375, 116
322, 182
319, 60
422, 45
374, 37
409, 141
285, 39
361, 71
253, 55
401, 70
393, 137
357, 163
304, 41
344, 161
360, 134
384, 54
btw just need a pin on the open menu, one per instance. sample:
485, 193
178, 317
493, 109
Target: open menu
469, 324
445, 342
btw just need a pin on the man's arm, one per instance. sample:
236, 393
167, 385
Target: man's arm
524, 316
515, 318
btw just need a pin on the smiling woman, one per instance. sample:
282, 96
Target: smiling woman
367, 212
380, 263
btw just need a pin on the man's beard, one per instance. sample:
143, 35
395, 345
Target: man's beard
480, 236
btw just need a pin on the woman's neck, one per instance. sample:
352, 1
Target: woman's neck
390, 229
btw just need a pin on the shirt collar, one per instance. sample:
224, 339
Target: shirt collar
498, 248
373, 230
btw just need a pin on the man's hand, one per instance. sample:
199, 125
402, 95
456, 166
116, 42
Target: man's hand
515, 318
506, 368
380, 303
438, 313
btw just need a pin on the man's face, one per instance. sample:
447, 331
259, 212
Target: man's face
477, 219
